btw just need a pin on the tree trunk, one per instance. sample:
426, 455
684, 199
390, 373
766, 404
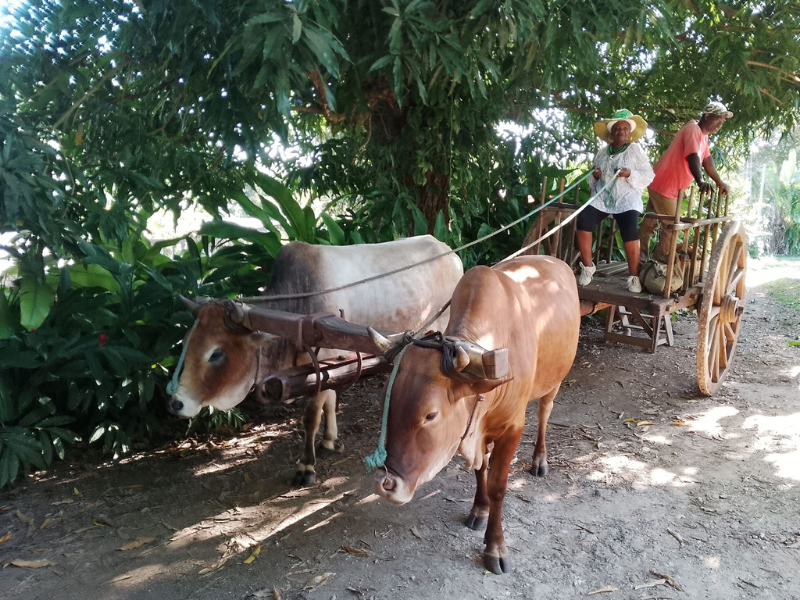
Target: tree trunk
434, 198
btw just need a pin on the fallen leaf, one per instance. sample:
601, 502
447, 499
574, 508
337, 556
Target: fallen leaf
644, 423
102, 520
317, 582
31, 564
630, 420
24, 518
7, 536
265, 593
605, 590
651, 584
77, 493
355, 551
99, 523
256, 551
46, 523
246, 478
416, 533
678, 423
136, 543
67, 501
121, 578
168, 526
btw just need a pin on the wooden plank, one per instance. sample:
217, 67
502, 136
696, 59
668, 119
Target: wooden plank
673, 248
642, 342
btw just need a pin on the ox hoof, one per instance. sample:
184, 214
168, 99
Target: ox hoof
496, 564
539, 468
304, 478
475, 522
324, 451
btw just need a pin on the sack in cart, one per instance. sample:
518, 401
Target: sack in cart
653, 276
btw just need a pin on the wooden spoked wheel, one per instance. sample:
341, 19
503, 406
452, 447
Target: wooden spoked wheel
719, 316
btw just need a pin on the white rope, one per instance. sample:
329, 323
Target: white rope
427, 260
609, 185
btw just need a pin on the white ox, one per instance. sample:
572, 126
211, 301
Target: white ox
221, 365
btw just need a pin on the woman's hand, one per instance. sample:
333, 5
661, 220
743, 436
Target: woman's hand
597, 173
624, 173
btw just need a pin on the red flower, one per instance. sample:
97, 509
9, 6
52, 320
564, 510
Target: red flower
102, 339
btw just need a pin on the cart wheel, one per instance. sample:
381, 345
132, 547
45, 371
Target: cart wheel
719, 316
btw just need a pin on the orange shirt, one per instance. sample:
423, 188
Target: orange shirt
672, 170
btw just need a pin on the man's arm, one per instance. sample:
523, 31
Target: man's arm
708, 165
694, 167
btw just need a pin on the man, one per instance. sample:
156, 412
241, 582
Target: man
676, 170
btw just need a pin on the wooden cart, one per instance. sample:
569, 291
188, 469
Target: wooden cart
710, 249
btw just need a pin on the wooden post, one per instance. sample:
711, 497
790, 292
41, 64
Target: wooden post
699, 242
688, 274
706, 232
556, 244
536, 249
573, 229
716, 214
597, 245
673, 249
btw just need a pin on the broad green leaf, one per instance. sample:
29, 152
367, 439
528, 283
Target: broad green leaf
440, 231
92, 275
35, 300
231, 231
7, 321
335, 233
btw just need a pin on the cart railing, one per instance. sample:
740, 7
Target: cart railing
696, 233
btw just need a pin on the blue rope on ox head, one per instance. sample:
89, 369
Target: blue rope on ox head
378, 458
172, 386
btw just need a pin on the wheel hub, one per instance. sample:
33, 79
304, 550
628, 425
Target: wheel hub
729, 309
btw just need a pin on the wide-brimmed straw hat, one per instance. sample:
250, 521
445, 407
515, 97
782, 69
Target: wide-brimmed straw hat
638, 125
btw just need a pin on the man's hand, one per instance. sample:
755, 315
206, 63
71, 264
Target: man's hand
705, 188
597, 173
624, 173
723, 187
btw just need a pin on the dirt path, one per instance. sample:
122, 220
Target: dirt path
708, 510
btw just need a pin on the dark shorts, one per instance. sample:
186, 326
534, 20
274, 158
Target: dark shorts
628, 222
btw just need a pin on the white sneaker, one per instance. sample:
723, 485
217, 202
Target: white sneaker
585, 278
634, 285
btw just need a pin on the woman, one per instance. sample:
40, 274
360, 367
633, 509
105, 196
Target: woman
623, 199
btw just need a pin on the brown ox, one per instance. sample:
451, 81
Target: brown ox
528, 305
221, 365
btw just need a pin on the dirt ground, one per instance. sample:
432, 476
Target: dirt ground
702, 503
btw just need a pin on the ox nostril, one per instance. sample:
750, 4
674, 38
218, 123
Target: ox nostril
389, 484
176, 405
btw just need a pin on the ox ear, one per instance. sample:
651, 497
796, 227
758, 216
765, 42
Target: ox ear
259, 338
384, 343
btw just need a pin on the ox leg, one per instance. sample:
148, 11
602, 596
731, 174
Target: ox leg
480, 507
539, 466
306, 474
330, 437
495, 554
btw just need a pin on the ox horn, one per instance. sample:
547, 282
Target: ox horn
192, 305
384, 343
477, 361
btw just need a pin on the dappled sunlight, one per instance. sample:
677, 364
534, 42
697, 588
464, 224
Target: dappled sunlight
778, 433
367, 500
522, 274
768, 269
661, 477
712, 562
793, 372
139, 574
708, 422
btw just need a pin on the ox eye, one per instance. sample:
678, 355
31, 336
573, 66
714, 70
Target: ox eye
431, 416
216, 356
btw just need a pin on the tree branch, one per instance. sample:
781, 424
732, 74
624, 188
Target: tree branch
96, 87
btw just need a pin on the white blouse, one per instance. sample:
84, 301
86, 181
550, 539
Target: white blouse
626, 194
